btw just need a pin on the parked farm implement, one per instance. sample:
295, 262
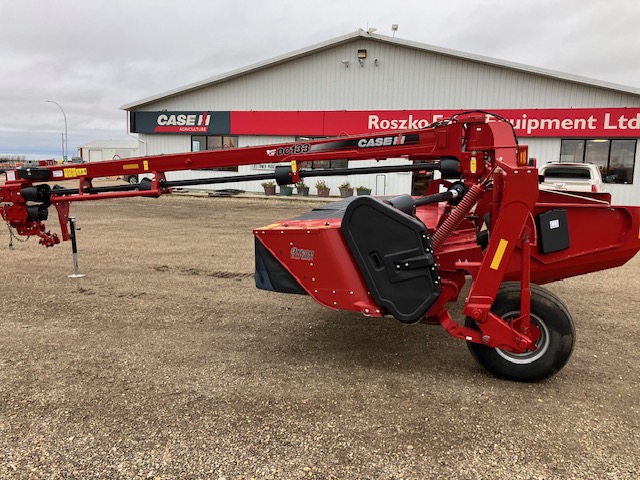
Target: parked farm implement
405, 257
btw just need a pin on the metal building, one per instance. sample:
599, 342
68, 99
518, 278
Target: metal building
364, 82
100, 150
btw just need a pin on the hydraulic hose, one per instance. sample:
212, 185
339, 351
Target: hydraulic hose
457, 216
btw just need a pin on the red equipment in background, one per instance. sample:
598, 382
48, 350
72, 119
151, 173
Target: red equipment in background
407, 257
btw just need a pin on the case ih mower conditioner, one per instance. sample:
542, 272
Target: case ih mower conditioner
406, 257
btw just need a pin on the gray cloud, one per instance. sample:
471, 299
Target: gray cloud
92, 57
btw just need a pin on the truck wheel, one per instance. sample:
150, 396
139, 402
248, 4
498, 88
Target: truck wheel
132, 179
554, 347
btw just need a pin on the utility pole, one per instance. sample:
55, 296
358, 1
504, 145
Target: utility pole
65, 149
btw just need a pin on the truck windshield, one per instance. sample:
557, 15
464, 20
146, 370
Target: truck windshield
567, 172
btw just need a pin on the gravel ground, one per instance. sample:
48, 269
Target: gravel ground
165, 362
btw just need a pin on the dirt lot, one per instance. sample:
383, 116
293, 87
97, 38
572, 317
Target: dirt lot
165, 362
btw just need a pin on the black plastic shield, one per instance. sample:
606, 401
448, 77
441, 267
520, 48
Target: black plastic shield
394, 254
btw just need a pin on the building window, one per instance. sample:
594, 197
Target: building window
200, 143
614, 158
323, 164
320, 164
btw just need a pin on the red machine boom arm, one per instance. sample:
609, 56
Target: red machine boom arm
468, 138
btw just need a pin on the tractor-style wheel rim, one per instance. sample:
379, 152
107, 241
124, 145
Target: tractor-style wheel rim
530, 356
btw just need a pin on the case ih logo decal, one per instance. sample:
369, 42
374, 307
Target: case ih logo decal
386, 141
183, 123
382, 141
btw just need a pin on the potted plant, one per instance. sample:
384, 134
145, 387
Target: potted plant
323, 188
269, 187
286, 190
302, 189
363, 190
346, 190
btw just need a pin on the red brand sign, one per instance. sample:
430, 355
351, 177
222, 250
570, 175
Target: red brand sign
566, 122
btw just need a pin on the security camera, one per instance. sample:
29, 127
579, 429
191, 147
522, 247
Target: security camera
345, 63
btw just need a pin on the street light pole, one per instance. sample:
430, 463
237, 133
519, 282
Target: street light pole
65, 150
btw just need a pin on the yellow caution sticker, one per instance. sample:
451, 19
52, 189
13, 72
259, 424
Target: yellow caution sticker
497, 258
294, 166
473, 166
146, 164
130, 166
74, 172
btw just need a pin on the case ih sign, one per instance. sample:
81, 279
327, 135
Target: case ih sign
568, 122
180, 122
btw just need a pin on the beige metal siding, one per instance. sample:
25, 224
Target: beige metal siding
544, 150
403, 79
159, 144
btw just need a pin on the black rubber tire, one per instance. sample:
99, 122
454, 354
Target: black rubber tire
557, 336
132, 179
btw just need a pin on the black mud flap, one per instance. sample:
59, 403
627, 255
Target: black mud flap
271, 275
394, 254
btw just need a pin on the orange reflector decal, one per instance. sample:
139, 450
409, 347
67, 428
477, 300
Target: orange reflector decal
523, 156
497, 258
130, 166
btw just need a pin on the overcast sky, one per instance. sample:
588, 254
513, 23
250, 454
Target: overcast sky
94, 56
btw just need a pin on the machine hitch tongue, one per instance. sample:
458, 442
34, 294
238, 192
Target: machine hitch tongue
48, 239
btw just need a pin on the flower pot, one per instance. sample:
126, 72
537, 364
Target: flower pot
363, 191
346, 192
270, 190
323, 192
303, 191
286, 191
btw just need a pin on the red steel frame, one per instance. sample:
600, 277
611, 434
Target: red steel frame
492, 165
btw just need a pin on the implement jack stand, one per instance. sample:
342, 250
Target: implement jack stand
74, 249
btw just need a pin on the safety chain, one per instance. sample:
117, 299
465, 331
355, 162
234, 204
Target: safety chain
13, 236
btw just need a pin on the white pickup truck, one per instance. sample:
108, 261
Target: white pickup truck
571, 177
130, 178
